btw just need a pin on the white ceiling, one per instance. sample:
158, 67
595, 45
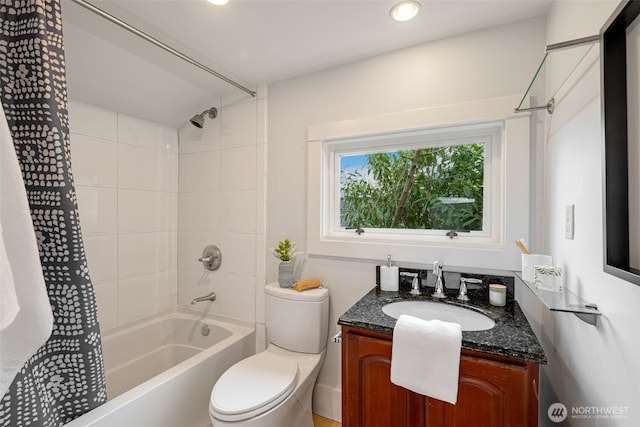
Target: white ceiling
250, 41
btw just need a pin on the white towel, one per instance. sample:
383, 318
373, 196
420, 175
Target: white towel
426, 357
9, 306
26, 314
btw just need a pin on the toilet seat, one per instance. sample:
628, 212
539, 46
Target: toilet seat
253, 386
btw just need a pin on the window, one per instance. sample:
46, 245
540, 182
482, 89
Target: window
431, 182
351, 207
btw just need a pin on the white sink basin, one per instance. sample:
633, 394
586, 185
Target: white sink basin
428, 310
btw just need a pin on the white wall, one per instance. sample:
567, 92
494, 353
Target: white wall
588, 366
485, 64
221, 202
126, 177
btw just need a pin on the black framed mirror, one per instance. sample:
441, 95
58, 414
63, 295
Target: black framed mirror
620, 77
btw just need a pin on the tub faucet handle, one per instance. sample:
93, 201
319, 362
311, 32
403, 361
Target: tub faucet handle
211, 258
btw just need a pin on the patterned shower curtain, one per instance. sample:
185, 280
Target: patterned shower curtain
65, 377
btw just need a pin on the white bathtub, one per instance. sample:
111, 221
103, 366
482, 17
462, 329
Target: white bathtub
160, 371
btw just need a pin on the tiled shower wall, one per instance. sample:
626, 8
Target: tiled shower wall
147, 212
221, 202
126, 177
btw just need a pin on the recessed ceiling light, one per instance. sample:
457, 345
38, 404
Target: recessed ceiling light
405, 10
218, 2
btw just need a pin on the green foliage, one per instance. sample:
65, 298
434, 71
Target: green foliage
403, 189
285, 250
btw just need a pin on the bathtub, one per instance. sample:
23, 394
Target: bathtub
160, 371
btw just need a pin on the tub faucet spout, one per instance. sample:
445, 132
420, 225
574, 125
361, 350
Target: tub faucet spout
210, 297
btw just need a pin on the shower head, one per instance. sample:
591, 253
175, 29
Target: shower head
198, 119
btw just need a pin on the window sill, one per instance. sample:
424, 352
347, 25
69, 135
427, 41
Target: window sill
467, 254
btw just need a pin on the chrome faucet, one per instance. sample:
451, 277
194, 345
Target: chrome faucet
462, 295
437, 271
415, 283
210, 297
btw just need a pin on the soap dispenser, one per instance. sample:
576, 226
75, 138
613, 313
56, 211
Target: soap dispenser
389, 276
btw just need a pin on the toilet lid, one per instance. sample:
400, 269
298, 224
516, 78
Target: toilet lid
253, 386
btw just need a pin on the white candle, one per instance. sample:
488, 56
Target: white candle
497, 295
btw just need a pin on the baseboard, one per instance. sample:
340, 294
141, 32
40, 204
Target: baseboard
327, 402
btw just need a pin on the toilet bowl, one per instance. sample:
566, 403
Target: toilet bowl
274, 388
271, 389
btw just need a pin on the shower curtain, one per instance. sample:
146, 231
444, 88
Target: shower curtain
64, 378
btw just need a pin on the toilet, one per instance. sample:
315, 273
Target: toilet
274, 388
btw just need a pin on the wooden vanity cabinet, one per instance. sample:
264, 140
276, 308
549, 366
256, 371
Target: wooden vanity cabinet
492, 390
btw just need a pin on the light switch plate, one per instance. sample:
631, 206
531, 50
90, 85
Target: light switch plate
569, 220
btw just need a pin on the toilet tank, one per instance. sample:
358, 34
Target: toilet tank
297, 321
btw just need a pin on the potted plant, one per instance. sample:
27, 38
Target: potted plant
285, 252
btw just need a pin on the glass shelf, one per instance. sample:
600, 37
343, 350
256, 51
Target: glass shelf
569, 61
565, 301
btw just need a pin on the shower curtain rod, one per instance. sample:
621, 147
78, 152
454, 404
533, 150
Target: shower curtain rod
160, 44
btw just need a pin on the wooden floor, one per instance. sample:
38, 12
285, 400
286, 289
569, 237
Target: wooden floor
319, 421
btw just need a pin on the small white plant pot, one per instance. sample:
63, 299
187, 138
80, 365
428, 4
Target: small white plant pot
285, 274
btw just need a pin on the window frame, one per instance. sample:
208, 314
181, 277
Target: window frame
512, 216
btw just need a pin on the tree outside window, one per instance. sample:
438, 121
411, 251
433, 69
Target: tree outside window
432, 188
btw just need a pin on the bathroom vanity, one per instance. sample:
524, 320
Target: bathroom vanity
498, 378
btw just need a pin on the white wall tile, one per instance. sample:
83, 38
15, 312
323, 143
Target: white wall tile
225, 216
261, 245
136, 297
138, 168
261, 337
193, 284
239, 210
94, 161
240, 250
166, 291
97, 210
238, 125
261, 167
260, 300
107, 302
89, 120
193, 140
144, 169
238, 167
136, 211
145, 211
235, 297
199, 211
168, 180
199, 171
143, 133
145, 253
261, 211
261, 121
143, 182
172, 253
102, 257
170, 218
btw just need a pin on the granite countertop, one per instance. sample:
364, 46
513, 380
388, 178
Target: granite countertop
511, 336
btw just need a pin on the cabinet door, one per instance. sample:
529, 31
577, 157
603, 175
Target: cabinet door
490, 394
369, 397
